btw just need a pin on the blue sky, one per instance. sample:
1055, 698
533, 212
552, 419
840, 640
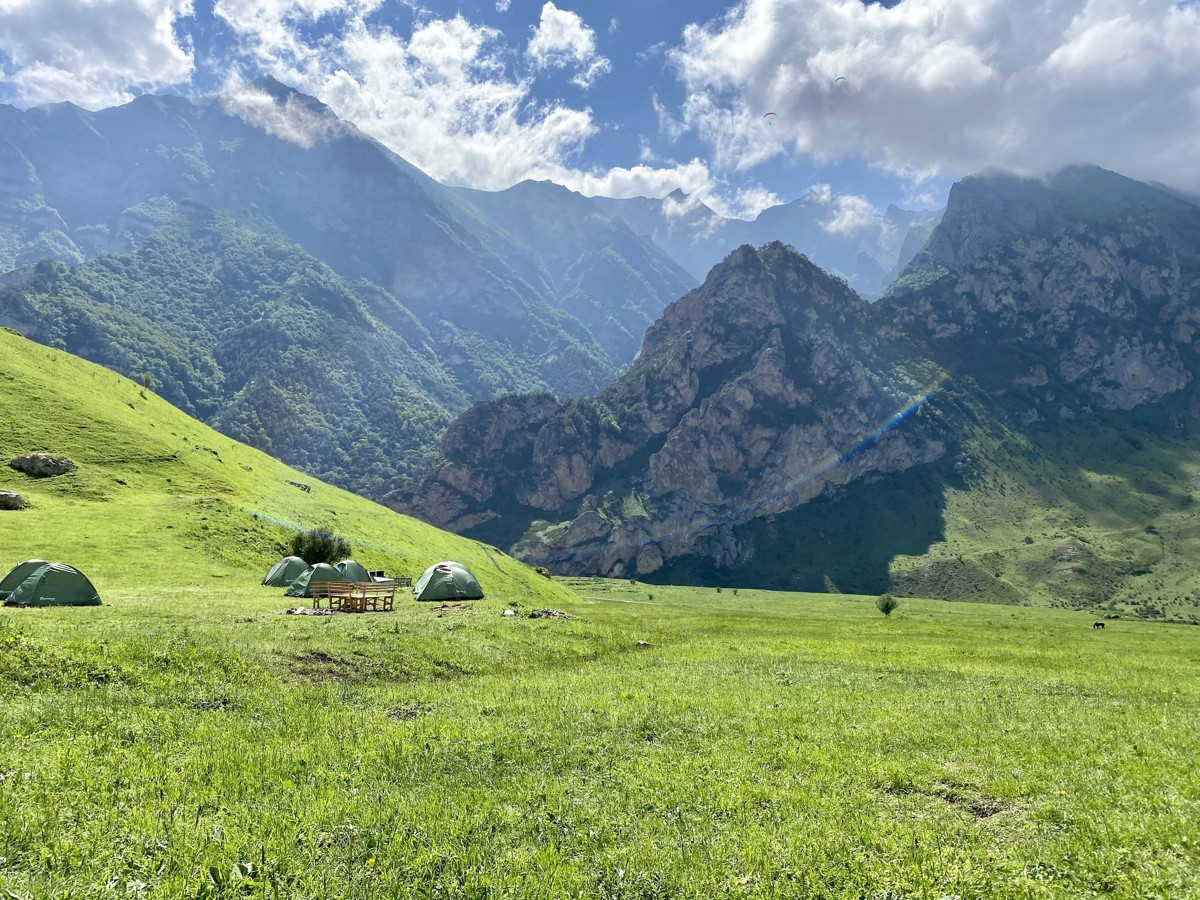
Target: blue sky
875, 103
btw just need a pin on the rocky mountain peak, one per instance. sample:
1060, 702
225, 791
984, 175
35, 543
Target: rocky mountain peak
745, 397
1090, 278
989, 211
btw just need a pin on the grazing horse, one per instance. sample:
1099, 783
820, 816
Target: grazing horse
1097, 624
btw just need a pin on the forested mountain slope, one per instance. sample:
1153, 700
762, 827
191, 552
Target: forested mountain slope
509, 313
257, 338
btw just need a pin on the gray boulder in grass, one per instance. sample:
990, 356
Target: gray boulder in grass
42, 465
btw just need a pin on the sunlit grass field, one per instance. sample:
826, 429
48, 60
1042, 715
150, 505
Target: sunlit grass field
190, 739
189, 743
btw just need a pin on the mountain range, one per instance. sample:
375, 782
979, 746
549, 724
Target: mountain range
994, 401
1014, 420
251, 253
867, 251
80, 184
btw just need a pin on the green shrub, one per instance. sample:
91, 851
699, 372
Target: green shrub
886, 604
319, 545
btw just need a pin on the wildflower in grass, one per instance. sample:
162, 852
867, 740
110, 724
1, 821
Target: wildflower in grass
371, 862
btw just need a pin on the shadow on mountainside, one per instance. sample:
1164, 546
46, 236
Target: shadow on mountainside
848, 539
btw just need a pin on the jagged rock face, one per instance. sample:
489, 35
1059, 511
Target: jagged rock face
1087, 280
753, 394
463, 481
770, 386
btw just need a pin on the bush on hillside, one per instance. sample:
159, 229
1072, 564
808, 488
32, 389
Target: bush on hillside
886, 604
319, 545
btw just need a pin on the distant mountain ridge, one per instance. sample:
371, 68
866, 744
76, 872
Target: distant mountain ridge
255, 254
500, 304
868, 251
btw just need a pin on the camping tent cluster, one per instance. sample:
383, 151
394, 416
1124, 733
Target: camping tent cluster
36, 582
298, 576
442, 581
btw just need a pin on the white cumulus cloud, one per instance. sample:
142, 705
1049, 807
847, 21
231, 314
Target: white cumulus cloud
846, 214
562, 40
932, 86
452, 97
637, 181
95, 53
290, 120
445, 98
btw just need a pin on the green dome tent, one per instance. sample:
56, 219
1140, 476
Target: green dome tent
284, 572
55, 584
352, 571
318, 574
20, 572
447, 581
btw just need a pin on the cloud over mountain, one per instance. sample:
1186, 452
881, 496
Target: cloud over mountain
906, 95
96, 54
925, 86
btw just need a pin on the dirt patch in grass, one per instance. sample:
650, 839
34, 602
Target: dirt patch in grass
977, 805
959, 796
408, 711
318, 666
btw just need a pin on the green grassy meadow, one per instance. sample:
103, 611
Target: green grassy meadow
159, 499
189, 739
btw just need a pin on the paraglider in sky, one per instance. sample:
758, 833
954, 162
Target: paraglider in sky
767, 118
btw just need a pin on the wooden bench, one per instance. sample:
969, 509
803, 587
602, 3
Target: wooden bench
331, 591
350, 597
377, 596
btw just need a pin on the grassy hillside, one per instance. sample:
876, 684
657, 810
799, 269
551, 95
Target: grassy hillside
187, 739
1095, 514
160, 500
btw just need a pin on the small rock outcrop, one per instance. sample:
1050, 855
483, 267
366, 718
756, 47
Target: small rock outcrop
42, 465
9, 500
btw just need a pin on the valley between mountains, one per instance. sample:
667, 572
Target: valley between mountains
1001, 406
